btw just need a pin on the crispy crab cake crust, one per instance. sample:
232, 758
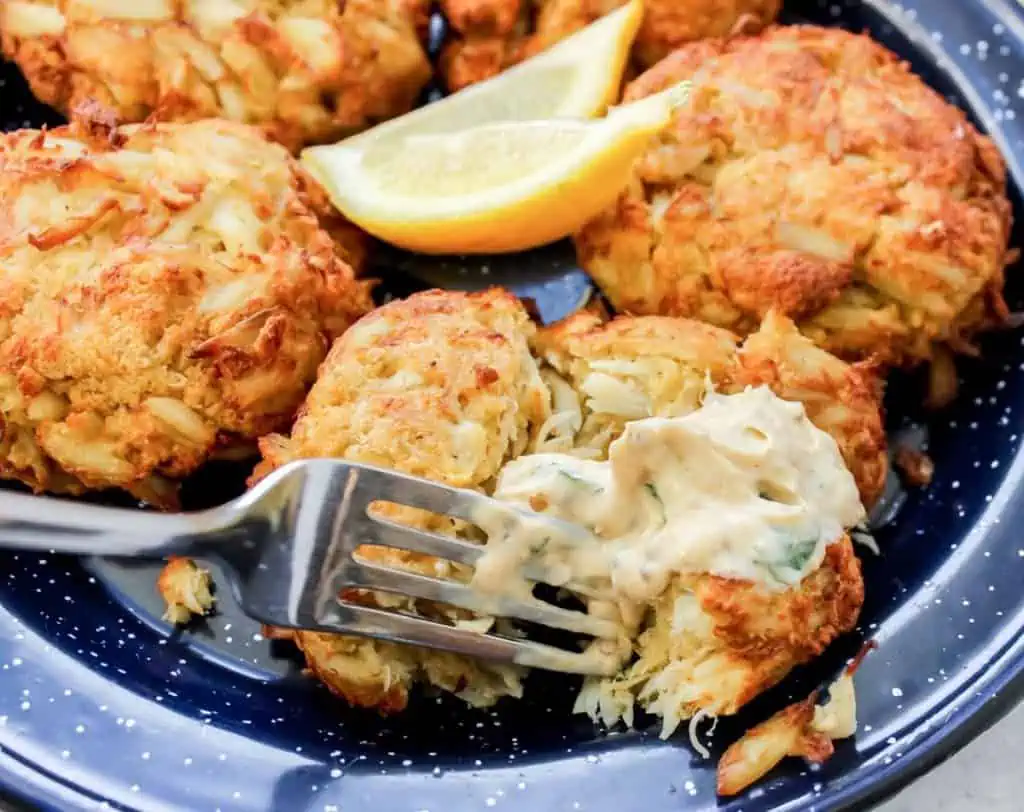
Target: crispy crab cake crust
440, 385
811, 173
491, 35
642, 366
305, 71
161, 301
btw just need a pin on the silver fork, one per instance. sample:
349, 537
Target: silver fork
289, 549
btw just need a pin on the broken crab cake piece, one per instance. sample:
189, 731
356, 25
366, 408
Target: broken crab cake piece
305, 71
709, 644
440, 385
812, 173
186, 590
168, 293
804, 729
603, 374
489, 36
724, 551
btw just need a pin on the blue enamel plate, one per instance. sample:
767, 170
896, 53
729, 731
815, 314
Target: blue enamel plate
103, 706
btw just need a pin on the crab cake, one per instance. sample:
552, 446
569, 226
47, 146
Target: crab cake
168, 292
441, 385
716, 605
603, 374
811, 173
305, 71
491, 35
709, 645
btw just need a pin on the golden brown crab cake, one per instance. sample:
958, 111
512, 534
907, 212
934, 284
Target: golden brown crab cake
161, 301
812, 173
603, 374
440, 385
305, 71
712, 644
491, 35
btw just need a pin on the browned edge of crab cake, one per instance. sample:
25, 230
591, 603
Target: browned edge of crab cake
812, 173
304, 72
673, 357
669, 24
161, 301
763, 635
440, 385
842, 399
488, 36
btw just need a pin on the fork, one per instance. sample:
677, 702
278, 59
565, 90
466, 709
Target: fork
288, 547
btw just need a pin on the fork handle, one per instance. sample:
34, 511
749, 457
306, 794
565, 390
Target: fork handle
34, 523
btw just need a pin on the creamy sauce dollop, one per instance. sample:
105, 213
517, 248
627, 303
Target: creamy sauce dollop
745, 487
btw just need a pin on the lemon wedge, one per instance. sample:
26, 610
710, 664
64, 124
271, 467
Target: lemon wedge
577, 78
495, 188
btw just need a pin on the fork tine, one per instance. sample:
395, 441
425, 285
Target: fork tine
388, 625
391, 486
377, 484
373, 576
391, 534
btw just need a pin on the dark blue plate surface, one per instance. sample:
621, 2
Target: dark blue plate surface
102, 707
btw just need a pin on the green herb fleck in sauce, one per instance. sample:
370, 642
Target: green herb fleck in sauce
800, 553
793, 561
653, 491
